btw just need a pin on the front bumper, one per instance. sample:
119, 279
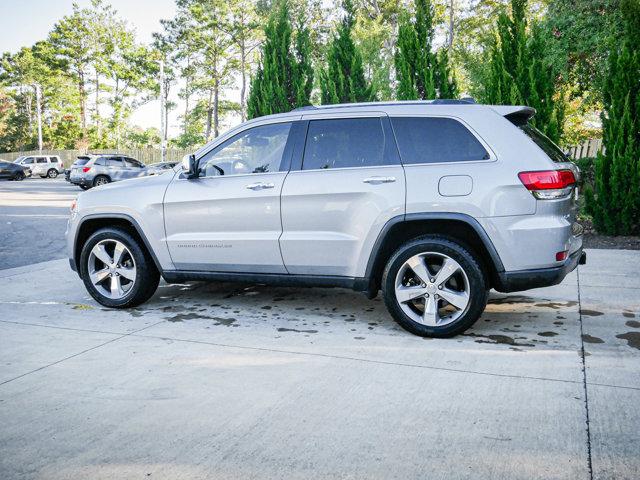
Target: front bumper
520, 280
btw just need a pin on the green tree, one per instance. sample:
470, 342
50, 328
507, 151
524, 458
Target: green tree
284, 77
420, 73
615, 204
343, 80
519, 70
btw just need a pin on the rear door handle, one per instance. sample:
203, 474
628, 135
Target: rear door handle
260, 186
379, 180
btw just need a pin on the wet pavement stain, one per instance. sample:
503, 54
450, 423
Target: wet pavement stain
590, 339
633, 324
359, 338
186, 316
629, 314
558, 323
557, 305
227, 322
501, 339
632, 338
82, 306
590, 313
547, 334
266, 307
511, 300
281, 329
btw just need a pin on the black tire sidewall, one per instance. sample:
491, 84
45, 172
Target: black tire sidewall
471, 267
146, 274
52, 173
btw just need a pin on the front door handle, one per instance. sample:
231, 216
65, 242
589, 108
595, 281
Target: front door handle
260, 186
379, 180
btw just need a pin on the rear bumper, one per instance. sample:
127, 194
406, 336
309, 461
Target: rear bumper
520, 280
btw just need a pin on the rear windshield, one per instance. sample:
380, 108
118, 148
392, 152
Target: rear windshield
81, 161
540, 139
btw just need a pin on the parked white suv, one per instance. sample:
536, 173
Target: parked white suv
432, 202
43, 165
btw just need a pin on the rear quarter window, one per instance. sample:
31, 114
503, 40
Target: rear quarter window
436, 140
545, 143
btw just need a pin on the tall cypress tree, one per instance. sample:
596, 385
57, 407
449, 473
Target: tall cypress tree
344, 81
284, 77
420, 73
615, 204
519, 71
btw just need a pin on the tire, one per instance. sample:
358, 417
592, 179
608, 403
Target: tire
101, 180
84, 187
134, 292
18, 177
52, 173
428, 254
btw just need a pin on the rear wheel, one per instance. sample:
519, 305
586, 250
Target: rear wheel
117, 270
100, 180
52, 173
434, 287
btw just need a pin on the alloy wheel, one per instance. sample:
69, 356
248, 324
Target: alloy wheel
432, 289
111, 268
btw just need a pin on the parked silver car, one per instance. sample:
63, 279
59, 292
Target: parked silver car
100, 169
43, 165
434, 203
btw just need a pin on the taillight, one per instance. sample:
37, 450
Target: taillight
85, 169
548, 184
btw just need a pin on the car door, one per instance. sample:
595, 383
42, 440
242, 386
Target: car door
40, 167
133, 168
228, 219
116, 168
342, 189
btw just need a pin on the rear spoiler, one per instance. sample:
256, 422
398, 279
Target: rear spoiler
516, 114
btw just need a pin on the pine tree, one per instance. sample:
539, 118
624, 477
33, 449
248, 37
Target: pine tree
615, 204
420, 73
520, 72
284, 78
343, 81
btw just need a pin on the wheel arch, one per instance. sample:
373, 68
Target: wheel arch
92, 223
93, 182
456, 226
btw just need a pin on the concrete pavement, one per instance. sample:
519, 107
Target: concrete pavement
248, 381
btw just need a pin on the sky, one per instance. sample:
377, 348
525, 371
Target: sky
24, 22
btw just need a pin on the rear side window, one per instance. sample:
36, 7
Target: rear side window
341, 143
28, 161
53, 159
81, 161
100, 161
41, 160
434, 140
547, 146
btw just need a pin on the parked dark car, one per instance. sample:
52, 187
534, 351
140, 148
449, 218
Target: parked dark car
158, 168
12, 171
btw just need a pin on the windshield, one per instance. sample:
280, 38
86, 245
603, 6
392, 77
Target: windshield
551, 149
19, 159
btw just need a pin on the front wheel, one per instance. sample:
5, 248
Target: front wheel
19, 176
434, 287
117, 270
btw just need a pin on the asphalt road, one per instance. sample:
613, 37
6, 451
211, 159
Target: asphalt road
33, 218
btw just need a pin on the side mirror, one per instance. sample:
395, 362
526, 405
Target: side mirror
190, 166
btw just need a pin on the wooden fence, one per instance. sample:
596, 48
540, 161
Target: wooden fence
145, 155
589, 148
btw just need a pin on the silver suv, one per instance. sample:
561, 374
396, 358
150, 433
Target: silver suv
434, 203
43, 165
100, 169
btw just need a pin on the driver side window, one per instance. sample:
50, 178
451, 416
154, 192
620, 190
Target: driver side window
257, 150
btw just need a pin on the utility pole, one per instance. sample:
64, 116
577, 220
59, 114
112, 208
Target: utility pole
163, 107
38, 108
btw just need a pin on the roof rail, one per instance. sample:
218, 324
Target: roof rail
438, 101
